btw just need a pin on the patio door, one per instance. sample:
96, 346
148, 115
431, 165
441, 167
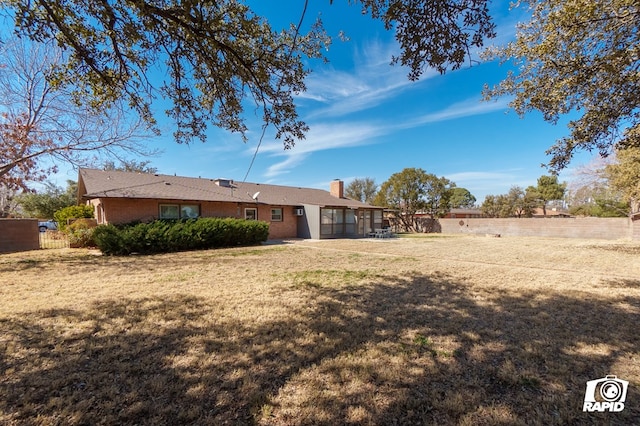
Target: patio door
364, 222
368, 221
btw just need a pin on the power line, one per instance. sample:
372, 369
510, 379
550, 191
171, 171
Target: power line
266, 124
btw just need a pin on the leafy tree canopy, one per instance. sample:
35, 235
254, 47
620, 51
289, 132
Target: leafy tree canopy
413, 191
580, 57
548, 189
63, 215
492, 206
624, 175
462, 198
515, 203
44, 204
364, 189
214, 55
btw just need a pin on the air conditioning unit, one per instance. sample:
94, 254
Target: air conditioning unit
298, 212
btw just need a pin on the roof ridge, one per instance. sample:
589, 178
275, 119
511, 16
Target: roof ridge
123, 184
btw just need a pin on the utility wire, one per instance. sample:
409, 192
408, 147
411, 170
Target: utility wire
265, 125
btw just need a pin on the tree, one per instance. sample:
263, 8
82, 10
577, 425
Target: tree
590, 193
515, 203
63, 216
44, 205
217, 54
625, 176
8, 202
41, 124
548, 189
519, 203
580, 57
362, 189
498, 206
601, 208
461, 198
434, 33
437, 196
130, 166
414, 190
491, 206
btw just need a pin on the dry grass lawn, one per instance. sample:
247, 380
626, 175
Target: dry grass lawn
432, 330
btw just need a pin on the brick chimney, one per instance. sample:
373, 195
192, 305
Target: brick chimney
337, 188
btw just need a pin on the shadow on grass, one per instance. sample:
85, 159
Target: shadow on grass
623, 283
420, 350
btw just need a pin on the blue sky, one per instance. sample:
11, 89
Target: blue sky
368, 120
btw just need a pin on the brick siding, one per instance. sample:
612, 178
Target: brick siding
120, 210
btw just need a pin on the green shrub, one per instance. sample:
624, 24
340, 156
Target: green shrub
80, 233
62, 216
162, 236
110, 240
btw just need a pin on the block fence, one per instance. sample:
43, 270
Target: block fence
19, 235
615, 228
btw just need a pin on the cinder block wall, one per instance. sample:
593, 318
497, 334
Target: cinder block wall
588, 227
19, 235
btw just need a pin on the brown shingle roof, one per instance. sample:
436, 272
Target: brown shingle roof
116, 184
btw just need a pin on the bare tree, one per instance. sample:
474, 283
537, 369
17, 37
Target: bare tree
8, 202
42, 125
217, 56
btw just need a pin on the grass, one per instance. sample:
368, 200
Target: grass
461, 330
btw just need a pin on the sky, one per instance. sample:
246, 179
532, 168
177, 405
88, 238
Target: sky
367, 119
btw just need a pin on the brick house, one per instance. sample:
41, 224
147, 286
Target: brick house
292, 212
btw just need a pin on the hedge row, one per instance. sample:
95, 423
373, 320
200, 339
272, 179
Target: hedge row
162, 236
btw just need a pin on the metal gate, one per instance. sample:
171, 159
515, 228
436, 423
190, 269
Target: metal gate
53, 240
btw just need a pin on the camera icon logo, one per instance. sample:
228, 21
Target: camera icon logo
606, 394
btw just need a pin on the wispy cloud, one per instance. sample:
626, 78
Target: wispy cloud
467, 108
326, 136
338, 95
321, 137
370, 83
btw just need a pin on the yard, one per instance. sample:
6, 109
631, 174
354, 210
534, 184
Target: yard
422, 330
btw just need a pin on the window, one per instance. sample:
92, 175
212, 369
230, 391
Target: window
189, 211
100, 210
350, 221
179, 211
169, 211
276, 215
326, 221
377, 219
251, 214
332, 221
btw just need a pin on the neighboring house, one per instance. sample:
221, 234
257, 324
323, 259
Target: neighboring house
460, 213
292, 212
551, 212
